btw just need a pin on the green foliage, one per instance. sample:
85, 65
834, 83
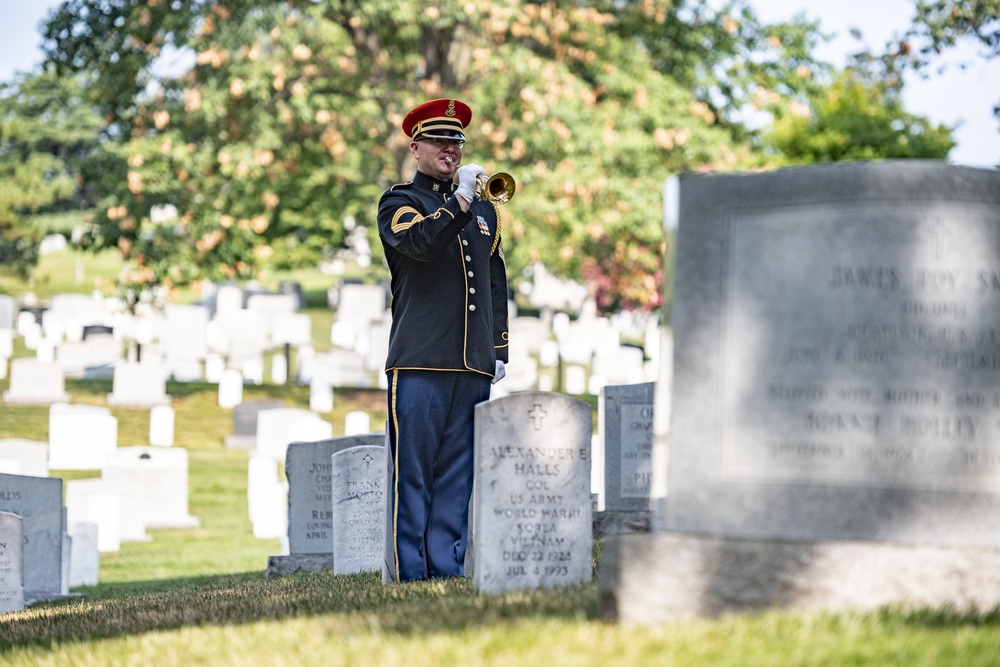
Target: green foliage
733, 63
938, 26
18, 250
856, 119
45, 132
113, 43
65, 271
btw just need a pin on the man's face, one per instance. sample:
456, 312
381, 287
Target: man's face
437, 157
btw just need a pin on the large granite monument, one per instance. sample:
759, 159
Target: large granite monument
834, 440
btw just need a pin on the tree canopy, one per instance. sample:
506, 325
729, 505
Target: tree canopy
47, 132
938, 27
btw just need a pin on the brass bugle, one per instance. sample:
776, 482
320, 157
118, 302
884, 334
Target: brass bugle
498, 188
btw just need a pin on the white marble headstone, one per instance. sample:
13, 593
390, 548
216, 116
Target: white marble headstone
81, 437
7, 310
35, 383
278, 427
532, 509
32, 456
358, 501
139, 385
117, 512
160, 476
39, 502
320, 396
230, 388
267, 498
85, 559
161, 426
357, 422
11, 563
308, 471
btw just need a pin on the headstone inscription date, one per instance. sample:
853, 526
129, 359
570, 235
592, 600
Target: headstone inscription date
531, 505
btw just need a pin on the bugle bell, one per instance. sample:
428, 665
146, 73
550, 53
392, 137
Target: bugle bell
498, 188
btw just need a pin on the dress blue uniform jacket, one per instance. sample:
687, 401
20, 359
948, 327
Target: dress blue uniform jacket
449, 281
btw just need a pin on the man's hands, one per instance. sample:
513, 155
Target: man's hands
467, 181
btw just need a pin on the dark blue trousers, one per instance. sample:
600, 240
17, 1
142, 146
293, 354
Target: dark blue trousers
431, 442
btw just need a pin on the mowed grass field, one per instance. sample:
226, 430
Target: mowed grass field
199, 596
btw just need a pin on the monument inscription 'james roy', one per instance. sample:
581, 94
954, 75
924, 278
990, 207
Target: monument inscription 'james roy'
838, 362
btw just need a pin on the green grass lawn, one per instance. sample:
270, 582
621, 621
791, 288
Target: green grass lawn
199, 596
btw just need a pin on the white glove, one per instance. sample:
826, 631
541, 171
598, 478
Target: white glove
467, 181
501, 372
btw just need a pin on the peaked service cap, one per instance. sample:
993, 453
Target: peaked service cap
440, 117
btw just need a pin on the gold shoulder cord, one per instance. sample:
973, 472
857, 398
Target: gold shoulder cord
496, 239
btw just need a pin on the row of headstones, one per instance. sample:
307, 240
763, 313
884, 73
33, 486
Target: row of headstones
139, 488
266, 428
42, 553
52, 547
134, 384
85, 336
65, 318
67, 314
94, 356
532, 510
143, 384
360, 336
80, 437
149, 485
529, 522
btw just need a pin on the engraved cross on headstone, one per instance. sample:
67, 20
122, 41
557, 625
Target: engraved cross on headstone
537, 415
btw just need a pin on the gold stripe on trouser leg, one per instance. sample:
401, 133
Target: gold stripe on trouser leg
395, 477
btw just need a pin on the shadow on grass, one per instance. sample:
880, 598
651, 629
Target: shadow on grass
444, 605
945, 617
